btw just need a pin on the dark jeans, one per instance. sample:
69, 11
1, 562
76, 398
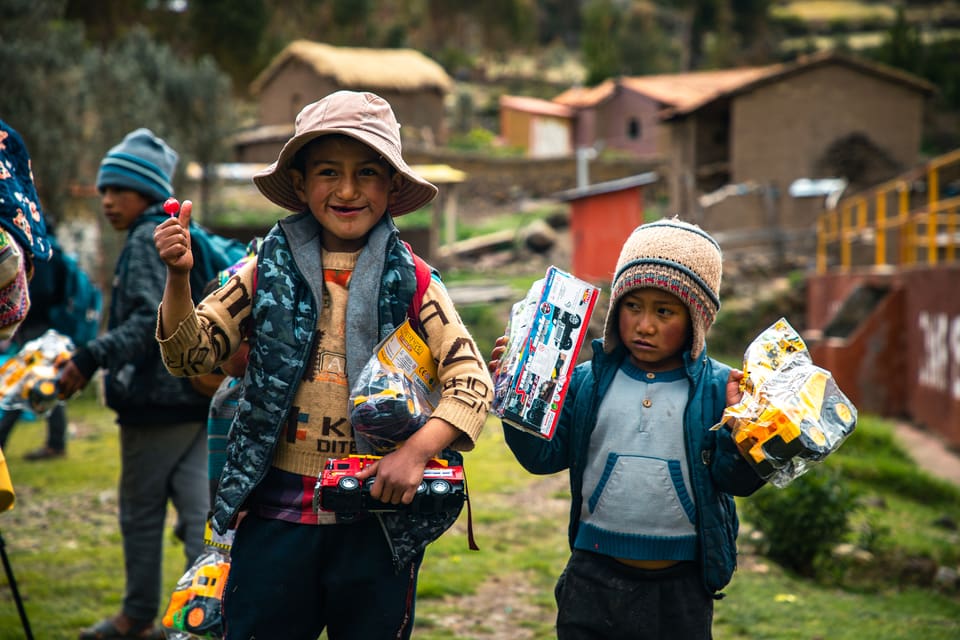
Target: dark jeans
56, 426
290, 581
599, 598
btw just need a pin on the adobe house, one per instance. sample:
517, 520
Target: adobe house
602, 215
624, 113
305, 71
826, 115
542, 128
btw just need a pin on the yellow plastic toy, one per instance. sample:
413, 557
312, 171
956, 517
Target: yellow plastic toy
792, 413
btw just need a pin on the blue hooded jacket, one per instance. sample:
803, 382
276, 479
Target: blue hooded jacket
718, 471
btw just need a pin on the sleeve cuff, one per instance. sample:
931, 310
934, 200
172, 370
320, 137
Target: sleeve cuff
85, 362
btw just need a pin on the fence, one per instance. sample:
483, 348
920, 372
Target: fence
912, 219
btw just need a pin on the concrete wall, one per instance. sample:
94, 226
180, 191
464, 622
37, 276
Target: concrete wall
611, 124
903, 357
781, 131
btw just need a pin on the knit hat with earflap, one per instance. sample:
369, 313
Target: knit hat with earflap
678, 257
142, 162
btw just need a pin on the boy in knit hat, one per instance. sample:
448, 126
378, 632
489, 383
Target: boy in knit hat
163, 436
327, 285
653, 523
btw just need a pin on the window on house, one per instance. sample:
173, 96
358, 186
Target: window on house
633, 128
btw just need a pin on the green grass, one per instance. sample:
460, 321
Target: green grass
64, 548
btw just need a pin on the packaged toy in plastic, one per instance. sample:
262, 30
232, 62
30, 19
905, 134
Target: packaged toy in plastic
28, 380
792, 414
195, 609
544, 335
396, 390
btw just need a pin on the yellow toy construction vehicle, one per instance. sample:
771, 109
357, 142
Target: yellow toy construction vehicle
792, 413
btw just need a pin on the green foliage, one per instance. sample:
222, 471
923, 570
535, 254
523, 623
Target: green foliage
803, 521
186, 102
230, 31
42, 94
600, 53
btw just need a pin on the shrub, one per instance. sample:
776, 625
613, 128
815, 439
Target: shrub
802, 522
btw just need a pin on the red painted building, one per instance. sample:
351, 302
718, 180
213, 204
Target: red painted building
602, 215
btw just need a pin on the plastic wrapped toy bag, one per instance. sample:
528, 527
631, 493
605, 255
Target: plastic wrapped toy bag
28, 380
792, 414
396, 390
195, 605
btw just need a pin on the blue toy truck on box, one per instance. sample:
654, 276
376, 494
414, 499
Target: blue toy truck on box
544, 336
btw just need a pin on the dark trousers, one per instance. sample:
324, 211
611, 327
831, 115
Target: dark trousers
290, 581
56, 426
599, 598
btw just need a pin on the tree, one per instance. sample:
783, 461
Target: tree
140, 82
601, 53
43, 93
231, 32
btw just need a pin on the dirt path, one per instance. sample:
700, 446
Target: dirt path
503, 607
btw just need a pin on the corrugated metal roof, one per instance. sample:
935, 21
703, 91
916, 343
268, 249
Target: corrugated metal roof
356, 67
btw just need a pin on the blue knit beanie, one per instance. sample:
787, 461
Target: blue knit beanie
142, 162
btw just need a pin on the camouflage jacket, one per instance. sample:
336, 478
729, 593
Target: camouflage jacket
288, 296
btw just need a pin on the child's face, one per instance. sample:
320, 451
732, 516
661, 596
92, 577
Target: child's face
655, 327
122, 206
347, 186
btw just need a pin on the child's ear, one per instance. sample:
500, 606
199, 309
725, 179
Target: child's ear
296, 177
396, 183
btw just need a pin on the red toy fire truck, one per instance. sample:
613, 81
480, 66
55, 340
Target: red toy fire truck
337, 489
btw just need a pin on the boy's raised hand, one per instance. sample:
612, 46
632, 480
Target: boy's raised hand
172, 239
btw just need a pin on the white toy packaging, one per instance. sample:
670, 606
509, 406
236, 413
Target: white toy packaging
544, 336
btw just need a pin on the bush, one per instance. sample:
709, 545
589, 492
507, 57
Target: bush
802, 522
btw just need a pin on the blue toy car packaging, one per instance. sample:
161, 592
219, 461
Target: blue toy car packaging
544, 336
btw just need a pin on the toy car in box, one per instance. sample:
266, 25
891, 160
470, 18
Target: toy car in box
546, 331
338, 489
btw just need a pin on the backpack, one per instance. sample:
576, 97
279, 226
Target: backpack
77, 315
424, 272
212, 254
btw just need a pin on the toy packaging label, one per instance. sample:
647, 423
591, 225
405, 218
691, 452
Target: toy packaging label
396, 392
406, 352
544, 336
792, 414
213, 539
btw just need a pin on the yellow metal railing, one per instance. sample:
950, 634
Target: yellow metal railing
912, 218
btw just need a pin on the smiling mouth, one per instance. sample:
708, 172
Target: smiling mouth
347, 210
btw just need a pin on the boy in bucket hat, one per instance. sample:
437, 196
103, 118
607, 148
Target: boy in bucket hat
327, 284
653, 523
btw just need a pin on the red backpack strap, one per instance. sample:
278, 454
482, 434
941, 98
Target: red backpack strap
424, 272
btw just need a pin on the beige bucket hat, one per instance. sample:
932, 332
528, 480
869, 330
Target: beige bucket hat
361, 115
